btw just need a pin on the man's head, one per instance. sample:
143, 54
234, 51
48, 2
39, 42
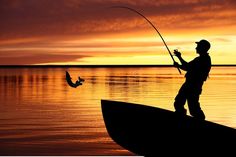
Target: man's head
202, 46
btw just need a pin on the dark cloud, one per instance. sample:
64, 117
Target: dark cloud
26, 18
36, 31
24, 58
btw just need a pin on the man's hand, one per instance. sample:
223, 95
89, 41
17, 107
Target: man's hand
176, 64
177, 53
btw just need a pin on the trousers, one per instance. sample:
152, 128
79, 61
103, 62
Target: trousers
189, 92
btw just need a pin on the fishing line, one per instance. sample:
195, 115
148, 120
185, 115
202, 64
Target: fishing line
124, 7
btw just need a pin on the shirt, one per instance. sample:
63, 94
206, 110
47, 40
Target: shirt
198, 69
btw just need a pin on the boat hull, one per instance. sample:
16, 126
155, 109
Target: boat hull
150, 131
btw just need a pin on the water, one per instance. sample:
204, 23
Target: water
41, 115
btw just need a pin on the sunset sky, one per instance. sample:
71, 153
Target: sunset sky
85, 32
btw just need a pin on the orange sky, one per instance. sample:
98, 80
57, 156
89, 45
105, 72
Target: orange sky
89, 32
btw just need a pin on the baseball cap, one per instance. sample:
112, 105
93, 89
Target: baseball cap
204, 43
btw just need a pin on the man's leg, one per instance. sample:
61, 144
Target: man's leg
194, 107
180, 101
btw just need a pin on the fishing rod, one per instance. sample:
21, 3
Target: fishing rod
124, 7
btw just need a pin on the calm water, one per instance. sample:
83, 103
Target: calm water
41, 115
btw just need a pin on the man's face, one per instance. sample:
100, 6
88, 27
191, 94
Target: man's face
199, 49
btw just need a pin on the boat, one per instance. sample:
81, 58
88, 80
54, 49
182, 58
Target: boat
152, 131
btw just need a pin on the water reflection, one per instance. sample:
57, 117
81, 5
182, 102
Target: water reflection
42, 115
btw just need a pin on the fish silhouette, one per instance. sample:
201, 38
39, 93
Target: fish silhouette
70, 83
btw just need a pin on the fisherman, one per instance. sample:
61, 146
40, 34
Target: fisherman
197, 72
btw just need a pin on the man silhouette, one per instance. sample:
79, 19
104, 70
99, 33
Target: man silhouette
197, 72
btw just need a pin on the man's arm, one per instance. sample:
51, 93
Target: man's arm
184, 64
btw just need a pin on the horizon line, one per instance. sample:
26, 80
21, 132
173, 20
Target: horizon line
93, 65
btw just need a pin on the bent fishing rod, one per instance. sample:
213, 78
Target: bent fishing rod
124, 7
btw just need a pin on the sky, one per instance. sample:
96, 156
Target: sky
90, 32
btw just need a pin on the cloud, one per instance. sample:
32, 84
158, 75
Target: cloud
21, 18
22, 58
35, 32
